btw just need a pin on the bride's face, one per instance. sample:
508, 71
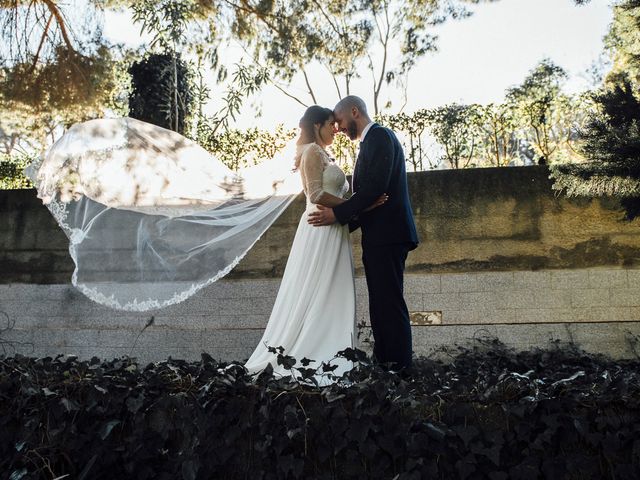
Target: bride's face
327, 131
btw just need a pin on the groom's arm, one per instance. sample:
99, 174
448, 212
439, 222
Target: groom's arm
373, 177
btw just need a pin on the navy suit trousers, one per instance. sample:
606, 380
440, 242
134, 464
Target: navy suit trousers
384, 270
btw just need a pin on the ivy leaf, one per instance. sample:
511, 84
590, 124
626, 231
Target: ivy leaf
18, 474
286, 361
306, 362
106, 429
327, 367
69, 405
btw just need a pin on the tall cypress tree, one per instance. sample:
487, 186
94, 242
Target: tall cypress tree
613, 135
153, 96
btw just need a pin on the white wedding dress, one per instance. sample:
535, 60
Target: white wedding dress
314, 312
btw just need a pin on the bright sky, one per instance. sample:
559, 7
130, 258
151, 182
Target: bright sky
478, 58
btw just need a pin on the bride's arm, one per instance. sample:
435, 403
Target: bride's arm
311, 169
328, 200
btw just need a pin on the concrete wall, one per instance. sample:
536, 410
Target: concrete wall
501, 256
596, 308
493, 219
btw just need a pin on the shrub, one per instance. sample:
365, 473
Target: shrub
489, 413
11, 172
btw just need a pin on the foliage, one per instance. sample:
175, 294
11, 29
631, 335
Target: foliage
413, 128
541, 107
241, 148
623, 42
152, 97
611, 141
21, 132
498, 142
179, 26
342, 36
90, 86
488, 413
32, 31
613, 133
345, 36
39, 88
11, 171
167, 19
246, 80
455, 127
57, 69
536, 114
344, 151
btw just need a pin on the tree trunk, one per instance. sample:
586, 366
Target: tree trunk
175, 91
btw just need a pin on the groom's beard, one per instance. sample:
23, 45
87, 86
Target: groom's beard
352, 130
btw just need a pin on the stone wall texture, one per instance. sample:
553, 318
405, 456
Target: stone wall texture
501, 256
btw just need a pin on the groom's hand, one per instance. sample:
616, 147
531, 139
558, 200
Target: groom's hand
324, 216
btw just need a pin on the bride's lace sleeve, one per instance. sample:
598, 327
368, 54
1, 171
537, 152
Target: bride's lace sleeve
311, 169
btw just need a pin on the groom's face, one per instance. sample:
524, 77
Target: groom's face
346, 124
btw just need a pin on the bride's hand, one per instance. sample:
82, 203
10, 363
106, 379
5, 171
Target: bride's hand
380, 201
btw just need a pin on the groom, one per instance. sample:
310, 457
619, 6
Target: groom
388, 231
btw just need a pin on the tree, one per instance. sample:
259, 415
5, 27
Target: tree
612, 135
497, 130
455, 127
287, 36
153, 92
538, 102
168, 20
11, 171
33, 31
623, 42
241, 148
56, 70
342, 36
196, 27
610, 139
413, 128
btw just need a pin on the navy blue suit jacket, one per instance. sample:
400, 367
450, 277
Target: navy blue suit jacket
380, 168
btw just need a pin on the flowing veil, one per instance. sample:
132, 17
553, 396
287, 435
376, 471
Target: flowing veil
151, 216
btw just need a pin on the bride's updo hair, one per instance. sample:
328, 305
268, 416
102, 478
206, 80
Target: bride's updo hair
314, 115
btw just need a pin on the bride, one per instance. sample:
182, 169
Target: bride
314, 312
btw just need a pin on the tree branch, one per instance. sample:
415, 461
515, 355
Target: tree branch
328, 19
335, 81
42, 38
293, 97
246, 7
385, 43
306, 79
282, 90
60, 21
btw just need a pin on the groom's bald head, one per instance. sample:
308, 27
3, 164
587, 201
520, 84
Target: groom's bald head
351, 116
349, 102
